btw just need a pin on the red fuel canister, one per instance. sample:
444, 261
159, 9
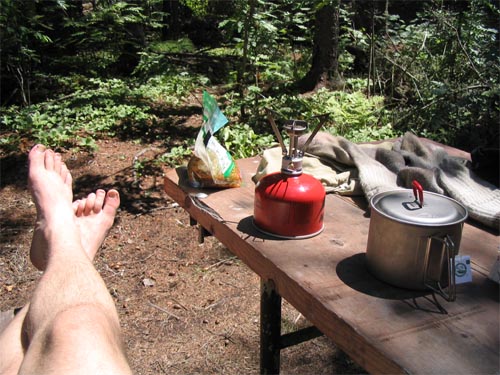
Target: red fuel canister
290, 203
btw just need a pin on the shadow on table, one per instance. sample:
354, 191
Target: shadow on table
355, 274
247, 226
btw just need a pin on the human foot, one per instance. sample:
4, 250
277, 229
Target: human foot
50, 184
49, 181
94, 217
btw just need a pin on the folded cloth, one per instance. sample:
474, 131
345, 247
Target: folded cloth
373, 176
382, 169
481, 198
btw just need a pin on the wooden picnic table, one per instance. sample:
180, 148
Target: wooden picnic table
383, 328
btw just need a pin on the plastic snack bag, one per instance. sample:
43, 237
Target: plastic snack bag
212, 165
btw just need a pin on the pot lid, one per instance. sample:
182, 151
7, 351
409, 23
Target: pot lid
402, 206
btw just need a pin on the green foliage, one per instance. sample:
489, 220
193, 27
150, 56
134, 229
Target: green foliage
444, 70
172, 46
177, 155
267, 36
241, 140
436, 76
354, 115
76, 120
171, 88
199, 7
96, 108
100, 36
154, 62
23, 34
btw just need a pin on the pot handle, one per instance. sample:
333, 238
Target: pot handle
418, 188
448, 250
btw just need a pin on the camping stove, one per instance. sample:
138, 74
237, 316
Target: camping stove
290, 203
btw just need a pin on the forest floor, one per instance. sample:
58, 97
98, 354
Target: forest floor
184, 307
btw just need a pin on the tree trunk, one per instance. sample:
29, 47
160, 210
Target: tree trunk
129, 57
242, 68
324, 70
172, 26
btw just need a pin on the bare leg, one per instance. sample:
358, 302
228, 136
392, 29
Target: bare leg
11, 348
78, 330
95, 216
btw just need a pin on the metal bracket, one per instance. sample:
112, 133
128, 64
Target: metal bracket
202, 232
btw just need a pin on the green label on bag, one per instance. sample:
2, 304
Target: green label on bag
213, 118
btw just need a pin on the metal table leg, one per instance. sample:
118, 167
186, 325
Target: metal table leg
202, 232
270, 328
271, 340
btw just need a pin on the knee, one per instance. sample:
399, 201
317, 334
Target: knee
82, 339
85, 323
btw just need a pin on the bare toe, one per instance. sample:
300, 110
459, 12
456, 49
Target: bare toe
79, 206
99, 200
112, 202
89, 204
37, 157
95, 216
66, 175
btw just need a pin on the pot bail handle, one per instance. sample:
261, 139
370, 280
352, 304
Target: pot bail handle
447, 256
418, 188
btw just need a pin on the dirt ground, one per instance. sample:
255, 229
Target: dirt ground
185, 307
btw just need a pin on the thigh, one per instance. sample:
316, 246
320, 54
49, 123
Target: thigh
79, 340
11, 345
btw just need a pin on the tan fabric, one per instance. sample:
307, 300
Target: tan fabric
341, 182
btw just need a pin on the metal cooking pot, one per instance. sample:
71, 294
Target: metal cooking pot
412, 243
